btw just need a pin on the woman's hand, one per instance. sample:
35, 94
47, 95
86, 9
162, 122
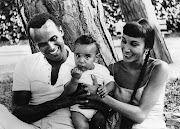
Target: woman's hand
94, 100
102, 91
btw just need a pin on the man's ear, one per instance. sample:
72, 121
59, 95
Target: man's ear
61, 30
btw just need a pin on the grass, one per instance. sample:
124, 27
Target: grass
172, 104
6, 81
172, 96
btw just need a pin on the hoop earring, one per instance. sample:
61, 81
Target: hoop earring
146, 52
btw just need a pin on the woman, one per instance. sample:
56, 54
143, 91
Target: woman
138, 69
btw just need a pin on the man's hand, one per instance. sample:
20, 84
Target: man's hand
76, 73
78, 97
93, 104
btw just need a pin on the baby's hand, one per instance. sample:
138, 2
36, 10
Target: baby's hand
76, 73
102, 91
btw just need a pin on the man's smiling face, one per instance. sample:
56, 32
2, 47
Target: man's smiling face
49, 39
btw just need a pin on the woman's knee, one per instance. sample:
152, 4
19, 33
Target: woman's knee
98, 117
98, 121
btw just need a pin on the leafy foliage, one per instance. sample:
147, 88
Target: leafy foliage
112, 14
11, 27
165, 9
169, 10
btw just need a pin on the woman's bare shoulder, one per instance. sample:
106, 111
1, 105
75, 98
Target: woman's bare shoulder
115, 65
160, 66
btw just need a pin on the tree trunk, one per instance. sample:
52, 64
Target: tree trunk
78, 17
133, 10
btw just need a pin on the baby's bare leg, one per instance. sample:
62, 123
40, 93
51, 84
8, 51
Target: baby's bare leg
9, 121
79, 120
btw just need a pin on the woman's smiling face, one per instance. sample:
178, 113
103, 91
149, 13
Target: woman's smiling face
133, 49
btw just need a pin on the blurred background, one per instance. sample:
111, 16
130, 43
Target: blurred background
167, 12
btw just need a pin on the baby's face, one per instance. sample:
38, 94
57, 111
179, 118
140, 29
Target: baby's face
85, 55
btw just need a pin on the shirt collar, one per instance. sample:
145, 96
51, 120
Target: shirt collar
69, 60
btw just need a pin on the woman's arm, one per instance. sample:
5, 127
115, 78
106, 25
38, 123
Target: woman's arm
149, 97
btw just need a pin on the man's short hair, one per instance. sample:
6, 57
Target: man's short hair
38, 20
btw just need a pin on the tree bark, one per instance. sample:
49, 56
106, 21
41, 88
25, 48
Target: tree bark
133, 10
78, 17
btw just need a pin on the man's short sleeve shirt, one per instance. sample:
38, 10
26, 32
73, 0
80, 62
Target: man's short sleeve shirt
33, 74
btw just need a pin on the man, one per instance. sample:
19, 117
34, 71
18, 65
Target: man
39, 78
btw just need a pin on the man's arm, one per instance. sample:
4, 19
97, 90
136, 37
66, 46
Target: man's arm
31, 113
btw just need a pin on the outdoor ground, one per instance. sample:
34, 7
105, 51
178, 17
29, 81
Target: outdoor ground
10, 55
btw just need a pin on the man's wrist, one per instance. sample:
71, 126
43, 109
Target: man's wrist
61, 103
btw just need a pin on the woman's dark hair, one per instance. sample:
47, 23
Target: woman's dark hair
86, 40
141, 76
141, 29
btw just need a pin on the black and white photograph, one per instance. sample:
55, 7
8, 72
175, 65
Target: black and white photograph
89, 64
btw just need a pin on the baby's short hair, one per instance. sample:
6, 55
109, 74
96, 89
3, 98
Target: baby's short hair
86, 40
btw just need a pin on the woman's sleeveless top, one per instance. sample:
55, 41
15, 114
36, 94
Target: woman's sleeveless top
154, 119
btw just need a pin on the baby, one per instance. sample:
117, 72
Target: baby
85, 53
